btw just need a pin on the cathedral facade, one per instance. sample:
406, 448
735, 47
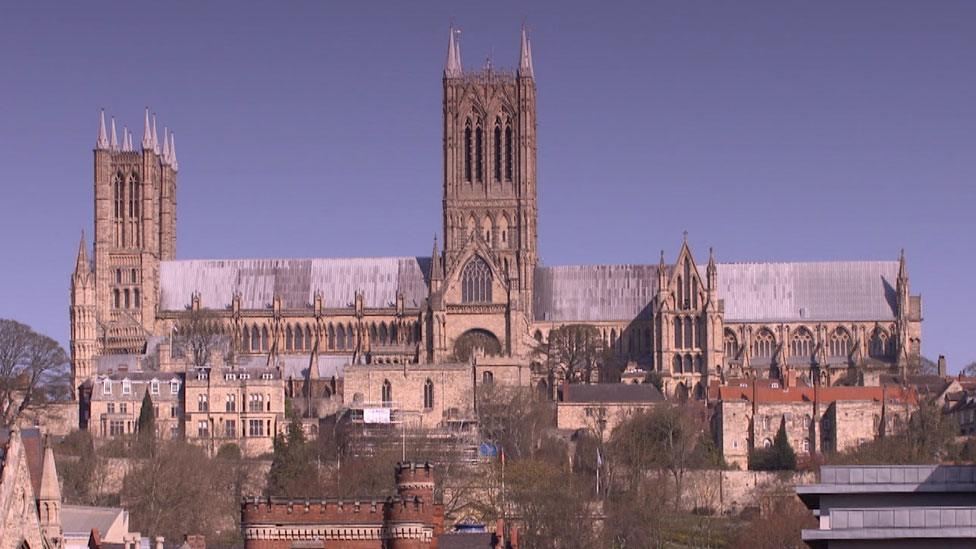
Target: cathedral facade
484, 297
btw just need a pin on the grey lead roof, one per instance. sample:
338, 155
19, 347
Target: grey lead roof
295, 280
752, 292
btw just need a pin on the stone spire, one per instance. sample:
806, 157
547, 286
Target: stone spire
81, 262
50, 489
165, 145
452, 69
525, 56
155, 136
902, 269
114, 144
147, 141
125, 138
436, 270
102, 142
172, 152
662, 275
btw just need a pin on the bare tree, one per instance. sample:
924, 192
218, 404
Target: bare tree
514, 418
27, 359
577, 348
200, 334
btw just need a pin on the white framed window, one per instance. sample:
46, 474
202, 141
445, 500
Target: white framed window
203, 429
107, 387
111, 407
126, 387
154, 387
231, 405
174, 387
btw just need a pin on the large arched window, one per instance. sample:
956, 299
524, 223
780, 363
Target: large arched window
264, 338
689, 333
676, 364
299, 339
879, 346
387, 395
428, 394
762, 345
467, 150
288, 339
801, 344
332, 338
118, 187
476, 282
255, 339
731, 344
134, 214
840, 343
678, 339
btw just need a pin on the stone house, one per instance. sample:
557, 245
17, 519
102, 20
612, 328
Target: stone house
234, 405
116, 402
818, 419
601, 407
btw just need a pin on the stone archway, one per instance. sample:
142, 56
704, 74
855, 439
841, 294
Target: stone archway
477, 338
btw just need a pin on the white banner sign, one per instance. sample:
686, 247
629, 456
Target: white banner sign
376, 415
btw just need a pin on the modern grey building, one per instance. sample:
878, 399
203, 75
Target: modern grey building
892, 506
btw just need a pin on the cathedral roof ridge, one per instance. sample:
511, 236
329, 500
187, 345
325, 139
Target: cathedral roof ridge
815, 262
306, 258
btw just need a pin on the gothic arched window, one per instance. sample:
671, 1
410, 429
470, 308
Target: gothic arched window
762, 346
118, 187
134, 215
508, 152
840, 343
341, 338
479, 147
731, 345
264, 338
497, 146
288, 340
467, 151
678, 339
331, 336
879, 346
387, 395
689, 333
801, 344
299, 339
246, 339
676, 364
476, 282
429, 394
255, 339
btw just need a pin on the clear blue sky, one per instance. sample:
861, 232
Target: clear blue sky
773, 131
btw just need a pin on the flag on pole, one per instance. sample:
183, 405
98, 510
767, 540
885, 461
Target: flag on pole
503, 457
599, 458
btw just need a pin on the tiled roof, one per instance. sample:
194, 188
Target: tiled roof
612, 392
80, 519
295, 280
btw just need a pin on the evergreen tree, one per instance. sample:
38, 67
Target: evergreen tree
784, 458
294, 466
146, 436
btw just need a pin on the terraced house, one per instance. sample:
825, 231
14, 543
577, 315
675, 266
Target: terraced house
483, 299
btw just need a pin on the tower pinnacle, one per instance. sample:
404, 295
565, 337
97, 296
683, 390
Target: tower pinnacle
81, 263
525, 56
166, 159
115, 139
102, 142
147, 133
172, 152
155, 136
452, 69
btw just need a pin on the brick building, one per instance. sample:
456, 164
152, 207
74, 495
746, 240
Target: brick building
411, 520
818, 419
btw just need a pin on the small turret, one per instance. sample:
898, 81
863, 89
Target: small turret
49, 498
102, 142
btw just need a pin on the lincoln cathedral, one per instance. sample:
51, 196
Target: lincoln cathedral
380, 328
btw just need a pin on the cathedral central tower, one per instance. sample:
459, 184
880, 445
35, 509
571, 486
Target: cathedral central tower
490, 166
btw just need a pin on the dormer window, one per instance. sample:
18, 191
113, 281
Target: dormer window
107, 387
126, 387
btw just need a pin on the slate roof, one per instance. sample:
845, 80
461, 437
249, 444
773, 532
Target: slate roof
752, 292
612, 392
80, 519
295, 280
